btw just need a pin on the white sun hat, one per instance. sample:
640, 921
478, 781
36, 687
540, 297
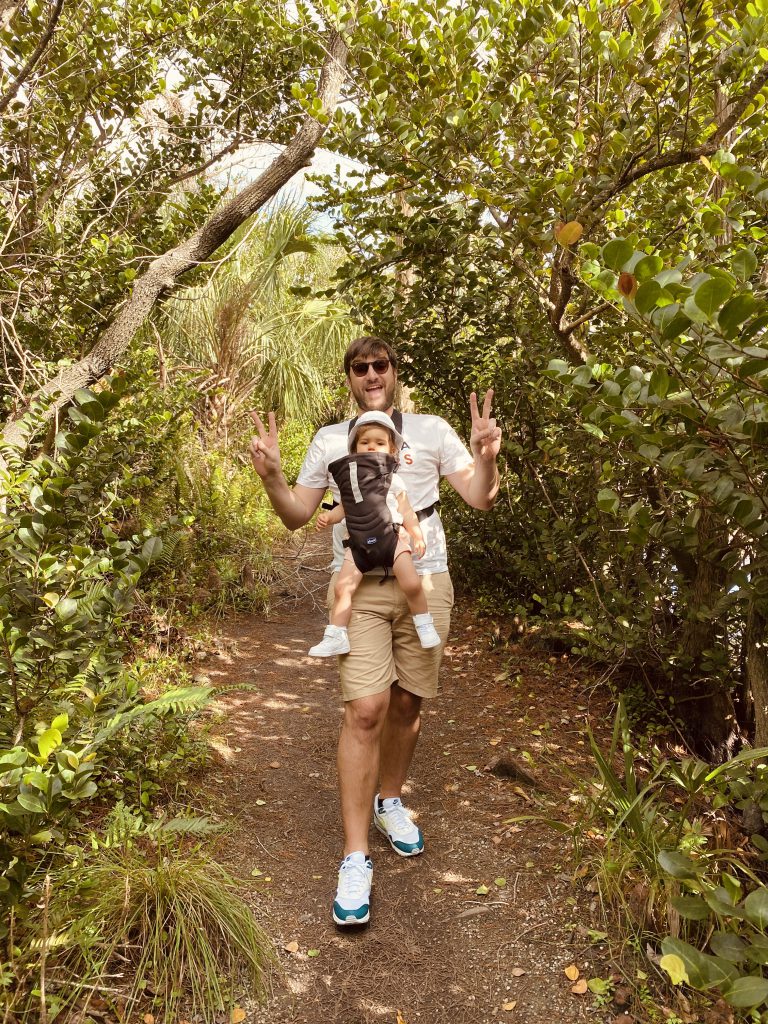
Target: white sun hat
366, 420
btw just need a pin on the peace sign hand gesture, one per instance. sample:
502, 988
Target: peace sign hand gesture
264, 449
485, 438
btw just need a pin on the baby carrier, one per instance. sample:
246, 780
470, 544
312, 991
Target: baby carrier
364, 481
372, 534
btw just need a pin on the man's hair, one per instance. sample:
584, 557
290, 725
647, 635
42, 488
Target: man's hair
368, 345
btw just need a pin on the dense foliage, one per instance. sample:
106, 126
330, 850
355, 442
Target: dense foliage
568, 202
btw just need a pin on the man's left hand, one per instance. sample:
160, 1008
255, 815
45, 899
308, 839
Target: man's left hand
485, 438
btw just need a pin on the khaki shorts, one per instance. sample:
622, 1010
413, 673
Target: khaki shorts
383, 639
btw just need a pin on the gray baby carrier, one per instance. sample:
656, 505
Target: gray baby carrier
372, 534
364, 481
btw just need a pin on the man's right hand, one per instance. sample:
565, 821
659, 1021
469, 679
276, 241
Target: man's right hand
264, 449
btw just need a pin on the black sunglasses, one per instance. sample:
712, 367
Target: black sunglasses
379, 365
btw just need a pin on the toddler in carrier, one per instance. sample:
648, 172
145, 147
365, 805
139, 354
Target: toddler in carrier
375, 505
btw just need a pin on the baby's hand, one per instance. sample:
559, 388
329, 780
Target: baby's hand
419, 547
323, 521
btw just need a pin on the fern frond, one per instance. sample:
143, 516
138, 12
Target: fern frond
183, 826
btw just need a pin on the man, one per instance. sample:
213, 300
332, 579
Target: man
387, 673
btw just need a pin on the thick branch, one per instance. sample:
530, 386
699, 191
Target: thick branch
681, 156
163, 272
561, 284
567, 328
34, 57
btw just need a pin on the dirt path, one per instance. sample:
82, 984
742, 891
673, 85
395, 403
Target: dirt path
437, 949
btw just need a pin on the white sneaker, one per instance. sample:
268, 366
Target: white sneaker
425, 627
353, 895
335, 641
394, 821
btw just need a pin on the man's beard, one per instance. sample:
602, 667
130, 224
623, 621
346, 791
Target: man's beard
364, 402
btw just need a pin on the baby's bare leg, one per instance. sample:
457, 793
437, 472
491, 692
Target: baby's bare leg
346, 584
410, 584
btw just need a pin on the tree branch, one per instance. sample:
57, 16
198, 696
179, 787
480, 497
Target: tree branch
163, 272
34, 57
567, 328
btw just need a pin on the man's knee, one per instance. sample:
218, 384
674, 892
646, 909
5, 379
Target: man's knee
366, 714
405, 707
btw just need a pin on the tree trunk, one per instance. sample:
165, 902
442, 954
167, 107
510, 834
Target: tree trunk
756, 670
709, 721
164, 271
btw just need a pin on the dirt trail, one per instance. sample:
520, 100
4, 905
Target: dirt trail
437, 950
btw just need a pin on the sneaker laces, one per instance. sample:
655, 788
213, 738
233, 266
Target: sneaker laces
353, 880
398, 819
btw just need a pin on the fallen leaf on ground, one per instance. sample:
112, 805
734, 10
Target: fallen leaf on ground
313, 952
470, 767
510, 1005
291, 947
238, 1015
256, 873
500, 882
400, 1018
572, 972
259, 803
580, 987
482, 890
518, 972
274, 764
495, 741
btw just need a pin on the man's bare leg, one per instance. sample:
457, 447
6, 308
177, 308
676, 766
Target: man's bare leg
358, 765
398, 740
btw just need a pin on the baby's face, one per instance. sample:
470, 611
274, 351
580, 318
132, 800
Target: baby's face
373, 439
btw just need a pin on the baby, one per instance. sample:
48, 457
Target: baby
376, 507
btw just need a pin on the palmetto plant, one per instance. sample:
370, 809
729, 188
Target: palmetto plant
258, 332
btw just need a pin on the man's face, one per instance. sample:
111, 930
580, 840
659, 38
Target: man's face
375, 390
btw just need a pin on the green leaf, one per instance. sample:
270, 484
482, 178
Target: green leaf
712, 294
31, 802
744, 264
728, 946
607, 500
647, 294
617, 252
647, 267
48, 741
66, 608
659, 383
678, 865
747, 992
735, 312
151, 549
704, 971
482, 890
756, 907
692, 908
60, 722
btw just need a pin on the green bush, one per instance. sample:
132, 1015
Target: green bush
67, 583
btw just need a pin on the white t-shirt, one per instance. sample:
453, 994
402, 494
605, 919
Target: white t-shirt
431, 449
